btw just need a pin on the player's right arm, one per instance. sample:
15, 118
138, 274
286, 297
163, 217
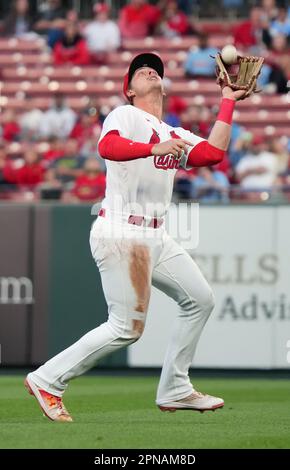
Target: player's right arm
117, 148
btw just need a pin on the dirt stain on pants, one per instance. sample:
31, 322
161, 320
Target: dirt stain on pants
139, 268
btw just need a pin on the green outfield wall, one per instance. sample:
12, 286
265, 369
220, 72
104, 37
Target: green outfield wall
47, 246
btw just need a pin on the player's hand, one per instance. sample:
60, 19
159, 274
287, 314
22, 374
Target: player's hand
227, 92
175, 147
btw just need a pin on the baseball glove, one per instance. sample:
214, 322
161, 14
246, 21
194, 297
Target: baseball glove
244, 78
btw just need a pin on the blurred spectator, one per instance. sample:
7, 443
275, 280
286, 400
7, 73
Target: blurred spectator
87, 128
237, 132
279, 59
56, 150
3, 160
173, 105
19, 21
72, 15
102, 34
30, 120
224, 166
72, 48
182, 183
278, 78
269, 8
229, 5
198, 63
171, 118
51, 20
253, 32
258, 169
196, 118
174, 22
281, 25
59, 120
279, 44
278, 146
263, 78
10, 127
50, 187
102, 111
49, 15
210, 185
240, 147
284, 145
92, 184
187, 5
56, 34
27, 172
272, 79
138, 19
176, 104
68, 167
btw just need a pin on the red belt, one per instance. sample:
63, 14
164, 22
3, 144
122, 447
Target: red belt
139, 220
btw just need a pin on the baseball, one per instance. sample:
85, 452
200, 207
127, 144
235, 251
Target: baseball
229, 54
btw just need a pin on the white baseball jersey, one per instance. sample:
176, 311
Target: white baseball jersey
142, 186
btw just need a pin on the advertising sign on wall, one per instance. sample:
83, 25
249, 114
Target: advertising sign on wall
244, 254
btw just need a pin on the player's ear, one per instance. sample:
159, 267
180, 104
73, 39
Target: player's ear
131, 94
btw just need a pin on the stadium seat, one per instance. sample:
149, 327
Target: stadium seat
174, 44
15, 45
30, 60
263, 117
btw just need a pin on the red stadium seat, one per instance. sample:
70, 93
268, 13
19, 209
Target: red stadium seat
18, 58
174, 44
23, 46
262, 117
256, 102
270, 130
72, 73
218, 27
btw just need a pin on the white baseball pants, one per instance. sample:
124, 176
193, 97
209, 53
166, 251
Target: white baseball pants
130, 259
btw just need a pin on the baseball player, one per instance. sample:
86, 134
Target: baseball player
132, 248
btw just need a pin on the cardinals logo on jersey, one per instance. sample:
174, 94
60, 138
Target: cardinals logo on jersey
164, 162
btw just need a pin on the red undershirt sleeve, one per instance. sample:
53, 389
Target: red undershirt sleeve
114, 147
204, 154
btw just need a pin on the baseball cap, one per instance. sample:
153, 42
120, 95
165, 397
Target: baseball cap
147, 59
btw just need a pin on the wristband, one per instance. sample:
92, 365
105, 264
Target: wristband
226, 111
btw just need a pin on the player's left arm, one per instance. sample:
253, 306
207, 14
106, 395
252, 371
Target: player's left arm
220, 135
211, 151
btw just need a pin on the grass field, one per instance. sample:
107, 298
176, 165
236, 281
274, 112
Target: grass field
120, 412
